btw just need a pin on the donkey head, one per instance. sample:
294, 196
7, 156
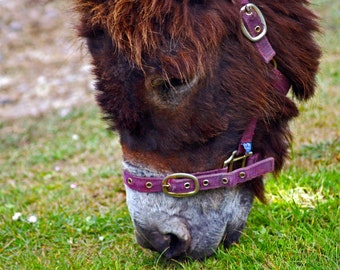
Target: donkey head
181, 83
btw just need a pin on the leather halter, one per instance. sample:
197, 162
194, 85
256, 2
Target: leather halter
183, 184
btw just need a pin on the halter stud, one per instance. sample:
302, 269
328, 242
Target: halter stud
148, 185
242, 175
225, 181
205, 182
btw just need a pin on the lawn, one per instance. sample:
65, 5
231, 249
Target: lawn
62, 200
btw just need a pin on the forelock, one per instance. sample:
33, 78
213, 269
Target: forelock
179, 34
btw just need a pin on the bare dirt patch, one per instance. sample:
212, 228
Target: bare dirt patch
42, 64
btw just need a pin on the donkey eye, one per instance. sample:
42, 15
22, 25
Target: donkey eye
173, 84
176, 83
169, 90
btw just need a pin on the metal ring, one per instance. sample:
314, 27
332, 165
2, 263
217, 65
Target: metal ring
186, 185
205, 182
242, 175
257, 29
148, 185
194, 181
225, 181
254, 9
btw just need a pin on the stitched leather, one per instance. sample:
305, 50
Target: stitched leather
251, 21
236, 177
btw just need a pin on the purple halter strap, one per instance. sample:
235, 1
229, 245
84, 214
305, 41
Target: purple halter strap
254, 27
182, 184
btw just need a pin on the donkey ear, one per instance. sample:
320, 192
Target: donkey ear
299, 61
297, 53
303, 74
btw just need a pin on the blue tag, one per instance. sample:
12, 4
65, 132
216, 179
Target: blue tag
247, 147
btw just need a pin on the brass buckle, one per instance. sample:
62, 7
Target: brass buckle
166, 185
232, 159
248, 9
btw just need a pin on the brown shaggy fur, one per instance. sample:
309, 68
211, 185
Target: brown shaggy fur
133, 42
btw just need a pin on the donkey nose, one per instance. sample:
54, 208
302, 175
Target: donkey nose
172, 239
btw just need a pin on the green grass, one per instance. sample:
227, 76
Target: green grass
67, 172
88, 227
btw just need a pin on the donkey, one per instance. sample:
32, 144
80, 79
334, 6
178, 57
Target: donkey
196, 89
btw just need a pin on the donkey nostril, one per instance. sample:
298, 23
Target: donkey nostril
171, 245
177, 247
159, 241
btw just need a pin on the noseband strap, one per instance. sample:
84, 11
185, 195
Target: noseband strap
254, 27
184, 185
